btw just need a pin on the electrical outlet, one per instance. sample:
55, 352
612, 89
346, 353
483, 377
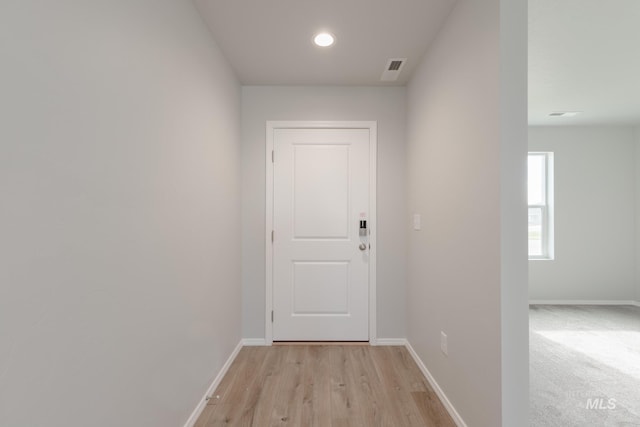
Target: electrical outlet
417, 222
444, 347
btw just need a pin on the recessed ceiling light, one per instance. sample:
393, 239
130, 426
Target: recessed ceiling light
324, 39
564, 113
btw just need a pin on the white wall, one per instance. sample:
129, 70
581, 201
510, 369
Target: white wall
636, 132
595, 214
384, 104
514, 289
119, 184
466, 176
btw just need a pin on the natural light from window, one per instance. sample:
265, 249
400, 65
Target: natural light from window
615, 349
540, 196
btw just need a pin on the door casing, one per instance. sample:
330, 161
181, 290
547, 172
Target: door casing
270, 128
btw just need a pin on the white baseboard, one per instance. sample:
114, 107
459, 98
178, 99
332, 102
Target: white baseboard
443, 397
258, 342
254, 342
391, 341
216, 381
581, 302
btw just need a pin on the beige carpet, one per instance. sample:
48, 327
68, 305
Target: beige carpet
584, 366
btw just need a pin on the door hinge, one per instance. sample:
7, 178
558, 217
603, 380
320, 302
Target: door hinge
271, 316
272, 235
273, 156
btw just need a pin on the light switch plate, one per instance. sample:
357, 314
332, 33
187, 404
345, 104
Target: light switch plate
417, 222
444, 345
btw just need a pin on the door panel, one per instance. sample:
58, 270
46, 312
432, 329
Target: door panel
320, 288
321, 191
320, 273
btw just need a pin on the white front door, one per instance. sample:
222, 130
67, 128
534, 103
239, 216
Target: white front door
320, 256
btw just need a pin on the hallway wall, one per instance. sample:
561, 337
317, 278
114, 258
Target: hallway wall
636, 133
119, 225
466, 169
384, 104
595, 214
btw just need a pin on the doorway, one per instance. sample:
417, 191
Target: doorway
320, 231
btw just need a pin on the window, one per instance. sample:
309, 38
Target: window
540, 195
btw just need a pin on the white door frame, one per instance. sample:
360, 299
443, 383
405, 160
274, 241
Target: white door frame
373, 138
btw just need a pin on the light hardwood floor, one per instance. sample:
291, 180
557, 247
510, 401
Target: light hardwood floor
324, 385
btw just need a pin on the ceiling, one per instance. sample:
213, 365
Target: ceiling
270, 42
584, 55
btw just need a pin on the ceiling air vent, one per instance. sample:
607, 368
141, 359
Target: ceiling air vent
564, 113
393, 69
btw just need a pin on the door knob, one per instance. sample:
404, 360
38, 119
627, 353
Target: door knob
362, 246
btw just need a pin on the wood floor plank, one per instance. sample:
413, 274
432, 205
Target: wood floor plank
264, 362
383, 361
228, 380
287, 409
433, 412
224, 386
343, 412
396, 388
234, 401
270, 381
430, 407
407, 369
219, 416
204, 416
375, 408
324, 386
316, 402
